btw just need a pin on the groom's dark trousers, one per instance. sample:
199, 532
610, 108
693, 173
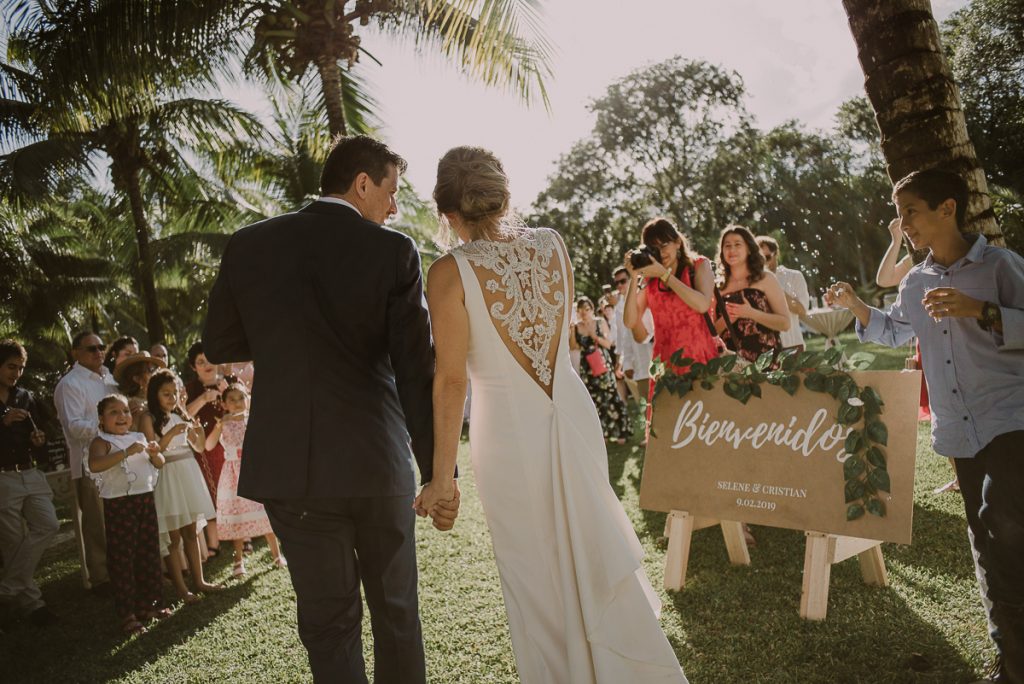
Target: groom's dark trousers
346, 539
329, 307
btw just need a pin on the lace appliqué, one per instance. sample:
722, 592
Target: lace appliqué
523, 266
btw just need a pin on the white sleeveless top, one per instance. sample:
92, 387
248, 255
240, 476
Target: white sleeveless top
133, 475
178, 448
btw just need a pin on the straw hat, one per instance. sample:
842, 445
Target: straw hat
129, 361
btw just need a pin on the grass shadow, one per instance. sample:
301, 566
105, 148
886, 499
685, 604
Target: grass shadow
87, 644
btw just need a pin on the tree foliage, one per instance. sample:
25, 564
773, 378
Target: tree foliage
675, 139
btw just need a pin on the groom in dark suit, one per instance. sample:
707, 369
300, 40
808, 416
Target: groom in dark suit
328, 304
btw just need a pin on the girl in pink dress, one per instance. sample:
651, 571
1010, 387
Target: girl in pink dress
239, 518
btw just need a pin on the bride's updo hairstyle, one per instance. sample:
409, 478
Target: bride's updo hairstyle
471, 182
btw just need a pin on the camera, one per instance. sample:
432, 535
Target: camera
644, 255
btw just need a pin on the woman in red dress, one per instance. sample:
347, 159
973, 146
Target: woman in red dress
204, 405
679, 290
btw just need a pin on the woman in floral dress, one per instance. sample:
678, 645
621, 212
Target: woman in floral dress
750, 295
592, 338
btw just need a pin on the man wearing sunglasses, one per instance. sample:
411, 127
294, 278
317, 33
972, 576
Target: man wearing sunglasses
76, 397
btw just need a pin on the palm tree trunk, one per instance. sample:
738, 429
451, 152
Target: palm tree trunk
334, 100
145, 270
917, 104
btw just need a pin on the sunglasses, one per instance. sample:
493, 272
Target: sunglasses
95, 348
621, 281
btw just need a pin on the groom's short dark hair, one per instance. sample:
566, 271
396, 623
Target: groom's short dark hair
355, 154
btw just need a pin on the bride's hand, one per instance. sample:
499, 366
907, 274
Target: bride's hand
433, 494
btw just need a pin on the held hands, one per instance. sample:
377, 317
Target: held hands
439, 500
948, 302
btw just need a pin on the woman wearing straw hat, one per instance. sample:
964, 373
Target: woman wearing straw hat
132, 375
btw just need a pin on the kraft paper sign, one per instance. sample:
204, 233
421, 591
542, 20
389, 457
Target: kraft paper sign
778, 460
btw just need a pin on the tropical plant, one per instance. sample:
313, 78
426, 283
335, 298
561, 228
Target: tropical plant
60, 118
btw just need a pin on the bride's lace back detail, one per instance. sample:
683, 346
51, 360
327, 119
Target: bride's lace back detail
522, 282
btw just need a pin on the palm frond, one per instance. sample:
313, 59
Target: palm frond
31, 172
501, 42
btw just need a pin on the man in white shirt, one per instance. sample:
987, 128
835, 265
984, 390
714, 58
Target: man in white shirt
795, 287
623, 338
76, 397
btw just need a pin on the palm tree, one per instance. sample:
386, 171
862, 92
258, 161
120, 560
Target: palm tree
916, 102
282, 173
56, 279
500, 42
62, 114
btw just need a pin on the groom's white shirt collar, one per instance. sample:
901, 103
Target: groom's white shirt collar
337, 200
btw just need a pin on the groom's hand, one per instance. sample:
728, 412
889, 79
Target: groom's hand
445, 512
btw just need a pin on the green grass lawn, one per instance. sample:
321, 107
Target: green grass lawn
731, 624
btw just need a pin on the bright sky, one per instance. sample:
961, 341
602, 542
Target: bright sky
796, 57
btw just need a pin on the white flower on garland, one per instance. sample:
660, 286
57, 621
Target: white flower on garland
854, 401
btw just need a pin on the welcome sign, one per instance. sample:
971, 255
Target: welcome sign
779, 460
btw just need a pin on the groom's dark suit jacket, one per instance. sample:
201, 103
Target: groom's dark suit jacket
330, 308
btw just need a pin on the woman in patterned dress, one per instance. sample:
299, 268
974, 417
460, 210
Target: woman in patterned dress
750, 295
590, 335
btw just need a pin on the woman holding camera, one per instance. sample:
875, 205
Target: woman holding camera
679, 292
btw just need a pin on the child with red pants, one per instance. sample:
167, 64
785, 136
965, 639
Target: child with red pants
125, 469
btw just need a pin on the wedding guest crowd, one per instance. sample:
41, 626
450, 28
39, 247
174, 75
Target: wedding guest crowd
145, 472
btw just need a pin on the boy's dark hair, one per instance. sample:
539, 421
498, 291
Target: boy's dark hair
9, 348
355, 154
935, 186
618, 270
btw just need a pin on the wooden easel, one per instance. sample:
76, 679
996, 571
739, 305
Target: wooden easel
823, 551
679, 528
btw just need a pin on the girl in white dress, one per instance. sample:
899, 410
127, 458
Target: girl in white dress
183, 501
580, 609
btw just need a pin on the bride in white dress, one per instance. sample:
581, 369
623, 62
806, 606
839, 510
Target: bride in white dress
580, 608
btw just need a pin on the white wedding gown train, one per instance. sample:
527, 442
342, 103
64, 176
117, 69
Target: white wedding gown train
580, 608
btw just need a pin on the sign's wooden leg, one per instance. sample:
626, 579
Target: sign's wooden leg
872, 567
817, 571
735, 542
680, 533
